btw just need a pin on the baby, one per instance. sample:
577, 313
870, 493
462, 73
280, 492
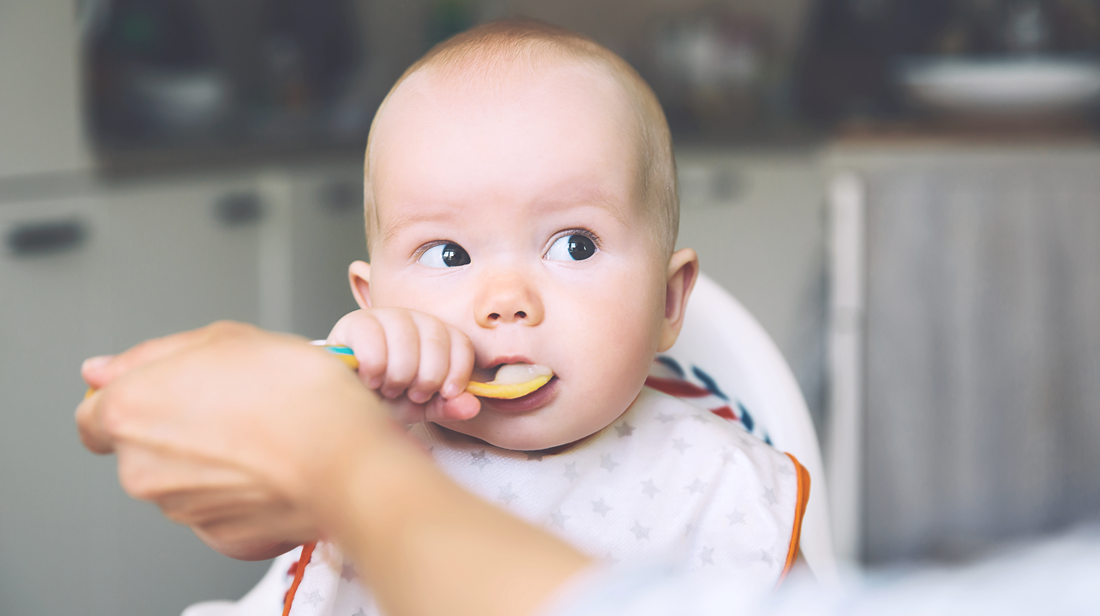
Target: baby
521, 208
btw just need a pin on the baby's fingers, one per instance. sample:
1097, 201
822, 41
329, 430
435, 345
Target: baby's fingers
437, 409
366, 336
435, 358
465, 406
402, 351
462, 364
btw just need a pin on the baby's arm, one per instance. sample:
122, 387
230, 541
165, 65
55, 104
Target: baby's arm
417, 363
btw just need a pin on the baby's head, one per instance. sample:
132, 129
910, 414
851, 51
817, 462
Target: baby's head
520, 186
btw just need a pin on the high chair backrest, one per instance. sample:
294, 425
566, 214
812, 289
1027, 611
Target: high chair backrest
723, 349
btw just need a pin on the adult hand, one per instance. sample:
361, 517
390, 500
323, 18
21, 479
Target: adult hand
260, 441
221, 428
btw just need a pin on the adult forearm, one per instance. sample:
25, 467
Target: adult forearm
428, 547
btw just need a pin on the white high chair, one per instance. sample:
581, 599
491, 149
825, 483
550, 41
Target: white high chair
723, 340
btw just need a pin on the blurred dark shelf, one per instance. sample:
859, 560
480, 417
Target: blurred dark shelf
963, 130
176, 159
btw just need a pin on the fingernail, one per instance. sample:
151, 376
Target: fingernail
450, 390
375, 383
95, 363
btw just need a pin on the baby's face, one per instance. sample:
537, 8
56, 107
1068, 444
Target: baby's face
512, 213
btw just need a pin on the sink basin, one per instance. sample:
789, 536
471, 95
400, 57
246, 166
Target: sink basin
1009, 86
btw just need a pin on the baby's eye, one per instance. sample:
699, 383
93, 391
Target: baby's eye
575, 247
445, 255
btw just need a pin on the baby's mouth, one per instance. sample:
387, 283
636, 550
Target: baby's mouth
510, 381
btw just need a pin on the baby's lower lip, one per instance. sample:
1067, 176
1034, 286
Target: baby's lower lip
532, 401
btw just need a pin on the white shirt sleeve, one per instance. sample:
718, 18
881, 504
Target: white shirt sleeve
1056, 576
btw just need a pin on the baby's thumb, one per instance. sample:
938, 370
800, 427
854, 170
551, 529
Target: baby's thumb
463, 406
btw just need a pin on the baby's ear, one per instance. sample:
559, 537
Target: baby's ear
359, 277
683, 269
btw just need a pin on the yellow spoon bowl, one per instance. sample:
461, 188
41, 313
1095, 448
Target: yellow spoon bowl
509, 391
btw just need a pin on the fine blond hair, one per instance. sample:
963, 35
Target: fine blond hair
492, 49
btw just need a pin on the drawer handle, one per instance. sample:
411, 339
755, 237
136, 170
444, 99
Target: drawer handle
44, 238
239, 209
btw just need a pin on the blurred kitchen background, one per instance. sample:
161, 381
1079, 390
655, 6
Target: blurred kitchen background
906, 193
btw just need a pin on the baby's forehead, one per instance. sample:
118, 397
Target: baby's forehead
470, 86
505, 105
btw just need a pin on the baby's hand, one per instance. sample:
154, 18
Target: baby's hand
417, 363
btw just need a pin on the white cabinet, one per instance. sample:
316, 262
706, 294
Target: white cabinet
52, 317
86, 275
180, 255
95, 270
327, 234
757, 221
967, 307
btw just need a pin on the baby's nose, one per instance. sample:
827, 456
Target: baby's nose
509, 298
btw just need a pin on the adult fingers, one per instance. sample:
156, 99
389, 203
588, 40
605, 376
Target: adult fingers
98, 372
89, 426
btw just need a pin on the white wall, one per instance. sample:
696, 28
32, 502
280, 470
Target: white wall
40, 128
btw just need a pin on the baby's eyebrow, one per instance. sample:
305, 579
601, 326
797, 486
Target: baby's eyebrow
589, 196
581, 196
407, 217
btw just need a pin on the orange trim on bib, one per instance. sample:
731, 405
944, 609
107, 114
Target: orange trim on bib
303, 560
800, 510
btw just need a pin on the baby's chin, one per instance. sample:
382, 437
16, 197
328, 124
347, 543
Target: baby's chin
518, 435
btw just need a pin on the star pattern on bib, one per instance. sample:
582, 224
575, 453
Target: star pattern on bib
601, 507
697, 487
624, 429
313, 598
769, 495
506, 494
727, 455
674, 478
558, 519
479, 459
706, 556
571, 472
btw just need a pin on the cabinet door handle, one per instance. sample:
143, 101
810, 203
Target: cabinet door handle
238, 209
43, 238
